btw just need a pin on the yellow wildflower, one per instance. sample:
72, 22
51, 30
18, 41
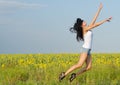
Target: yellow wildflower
3, 65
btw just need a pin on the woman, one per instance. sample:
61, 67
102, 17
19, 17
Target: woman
85, 34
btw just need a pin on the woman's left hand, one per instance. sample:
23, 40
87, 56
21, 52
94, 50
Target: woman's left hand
109, 19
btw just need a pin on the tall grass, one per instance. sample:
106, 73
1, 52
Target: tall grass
43, 69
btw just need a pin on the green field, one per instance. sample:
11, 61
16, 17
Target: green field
44, 69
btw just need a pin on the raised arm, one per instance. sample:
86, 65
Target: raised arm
96, 15
94, 23
98, 23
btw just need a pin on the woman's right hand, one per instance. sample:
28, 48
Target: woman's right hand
101, 6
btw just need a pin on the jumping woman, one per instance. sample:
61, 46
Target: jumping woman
83, 33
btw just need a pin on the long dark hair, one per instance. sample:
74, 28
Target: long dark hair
77, 28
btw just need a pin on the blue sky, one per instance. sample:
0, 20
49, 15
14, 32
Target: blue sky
42, 26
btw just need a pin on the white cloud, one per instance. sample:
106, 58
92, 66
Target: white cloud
11, 6
20, 4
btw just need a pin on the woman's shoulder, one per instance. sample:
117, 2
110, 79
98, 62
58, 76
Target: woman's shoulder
86, 30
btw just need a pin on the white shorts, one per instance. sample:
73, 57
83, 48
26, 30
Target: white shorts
86, 50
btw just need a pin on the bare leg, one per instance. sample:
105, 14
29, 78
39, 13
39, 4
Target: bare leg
88, 65
82, 59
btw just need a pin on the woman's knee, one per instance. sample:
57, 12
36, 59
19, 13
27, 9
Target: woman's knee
78, 65
88, 68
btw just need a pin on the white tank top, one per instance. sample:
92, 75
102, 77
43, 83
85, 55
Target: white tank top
88, 40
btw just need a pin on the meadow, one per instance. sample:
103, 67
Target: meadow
44, 69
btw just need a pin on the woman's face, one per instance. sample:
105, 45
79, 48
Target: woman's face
84, 24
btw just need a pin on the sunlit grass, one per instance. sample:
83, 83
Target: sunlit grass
43, 69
